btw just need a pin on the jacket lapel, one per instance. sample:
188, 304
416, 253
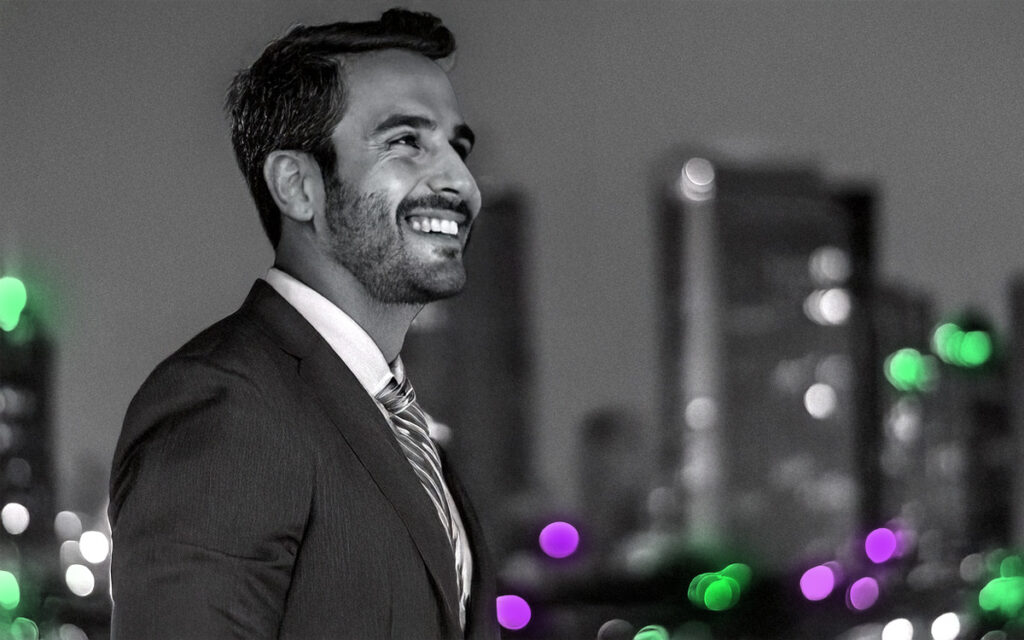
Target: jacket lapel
481, 614
367, 433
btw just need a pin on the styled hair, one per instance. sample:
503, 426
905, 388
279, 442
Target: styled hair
293, 96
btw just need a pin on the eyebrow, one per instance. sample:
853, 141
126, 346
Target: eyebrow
462, 131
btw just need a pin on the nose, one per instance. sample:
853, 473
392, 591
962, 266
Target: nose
451, 177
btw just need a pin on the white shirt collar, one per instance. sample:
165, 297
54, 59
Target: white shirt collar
350, 341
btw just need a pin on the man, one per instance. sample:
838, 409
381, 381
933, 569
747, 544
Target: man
273, 478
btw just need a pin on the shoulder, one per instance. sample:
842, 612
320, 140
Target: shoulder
217, 406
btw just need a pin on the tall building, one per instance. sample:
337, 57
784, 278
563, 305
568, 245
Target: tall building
470, 360
26, 440
969, 442
766, 272
28, 552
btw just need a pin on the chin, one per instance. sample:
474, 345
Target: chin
439, 290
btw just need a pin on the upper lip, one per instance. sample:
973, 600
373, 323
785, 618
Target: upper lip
443, 214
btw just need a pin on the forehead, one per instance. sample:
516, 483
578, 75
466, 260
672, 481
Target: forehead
381, 83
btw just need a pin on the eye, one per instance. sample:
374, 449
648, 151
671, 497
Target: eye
406, 140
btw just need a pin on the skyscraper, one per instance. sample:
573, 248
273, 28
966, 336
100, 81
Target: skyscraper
765, 333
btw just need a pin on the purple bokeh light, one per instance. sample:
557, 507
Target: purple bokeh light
559, 539
880, 545
863, 594
513, 612
817, 582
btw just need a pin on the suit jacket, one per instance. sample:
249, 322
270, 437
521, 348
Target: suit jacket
258, 492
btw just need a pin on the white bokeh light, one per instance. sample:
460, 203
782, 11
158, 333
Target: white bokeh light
835, 306
820, 400
94, 546
67, 525
829, 265
15, 518
898, 629
946, 627
697, 179
701, 413
69, 631
80, 580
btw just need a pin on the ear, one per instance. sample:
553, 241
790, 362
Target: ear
295, 183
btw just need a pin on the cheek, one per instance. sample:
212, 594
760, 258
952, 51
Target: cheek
397, 180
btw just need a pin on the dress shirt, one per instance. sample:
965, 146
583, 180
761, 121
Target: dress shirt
363, 357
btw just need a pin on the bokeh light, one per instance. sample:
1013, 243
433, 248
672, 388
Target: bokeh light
1011, 566
908, 370
961, 348
863, 594
24, 629
559, 539
817, 582
15, 518
721, 594
10, 592
652, 632
975, 348
880, 545
972, 567
719, 590
513, 612
69, 631
898, 629
94, 546
946, 627
80, 580
70, 553
1003, 595
739, 572
697, 179
820, 400
701, 413
835, 306
829, 265
67, 525
13, 297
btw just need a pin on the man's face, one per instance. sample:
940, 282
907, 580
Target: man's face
399, 210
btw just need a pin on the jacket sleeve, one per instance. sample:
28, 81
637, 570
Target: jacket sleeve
210, 494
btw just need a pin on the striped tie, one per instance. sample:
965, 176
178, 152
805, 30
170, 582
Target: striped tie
409, 424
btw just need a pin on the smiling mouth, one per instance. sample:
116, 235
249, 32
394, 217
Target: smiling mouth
432, 225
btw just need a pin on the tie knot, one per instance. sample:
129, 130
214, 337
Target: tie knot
397, 397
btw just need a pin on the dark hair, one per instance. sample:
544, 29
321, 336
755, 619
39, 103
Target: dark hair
293, 96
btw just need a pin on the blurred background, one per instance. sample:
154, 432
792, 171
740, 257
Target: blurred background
745, 300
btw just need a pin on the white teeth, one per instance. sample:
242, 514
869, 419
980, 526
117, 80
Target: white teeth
434, 225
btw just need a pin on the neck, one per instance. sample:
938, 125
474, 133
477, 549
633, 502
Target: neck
385, 323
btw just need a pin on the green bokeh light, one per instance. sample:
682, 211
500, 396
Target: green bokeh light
652, 632
24, 629
720, 590
959, 347
739, 572
1003, 595
1012, 566
722, 594
909, 370
13, 297
975, 348
10, 593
